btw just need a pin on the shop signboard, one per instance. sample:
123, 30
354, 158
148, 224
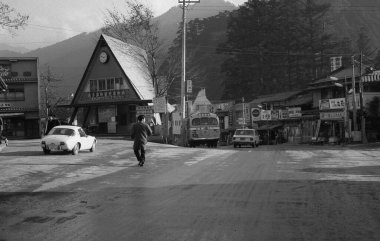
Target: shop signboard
283, 114
275, 114
176, 122
338, 103
295, 112
335, 115
145, 110
266, 115
324, 104
189, 86
159, 104
255, 114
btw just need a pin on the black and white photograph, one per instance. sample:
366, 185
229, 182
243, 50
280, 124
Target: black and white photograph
189, 120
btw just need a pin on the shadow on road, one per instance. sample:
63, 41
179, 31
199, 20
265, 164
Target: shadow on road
31, 153
362, 170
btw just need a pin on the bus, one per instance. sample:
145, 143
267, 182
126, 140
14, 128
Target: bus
203, 128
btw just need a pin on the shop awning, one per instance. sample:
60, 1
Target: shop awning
371, 77
268, 127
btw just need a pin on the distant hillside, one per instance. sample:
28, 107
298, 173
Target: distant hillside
171, 20
5, 47
348, 16
8, 53
67, 59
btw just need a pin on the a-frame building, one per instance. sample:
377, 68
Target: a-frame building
115, 82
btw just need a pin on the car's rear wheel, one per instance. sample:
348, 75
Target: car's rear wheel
75, 150
93, 147
46, 151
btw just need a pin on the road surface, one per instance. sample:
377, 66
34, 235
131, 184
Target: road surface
279, 192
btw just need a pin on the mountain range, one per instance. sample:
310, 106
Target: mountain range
68, 59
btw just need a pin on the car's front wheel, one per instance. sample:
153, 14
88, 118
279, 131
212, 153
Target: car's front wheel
46, 151
75, 150
93, 147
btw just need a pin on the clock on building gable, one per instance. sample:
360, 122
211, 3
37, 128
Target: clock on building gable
103, 57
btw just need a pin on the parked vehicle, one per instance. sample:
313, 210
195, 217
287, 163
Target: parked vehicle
246, 137
69, 139
203, 128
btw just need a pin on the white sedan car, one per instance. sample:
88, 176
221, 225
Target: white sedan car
67, 138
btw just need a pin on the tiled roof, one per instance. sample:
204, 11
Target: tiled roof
283, 96
340, 74
300, 100
375, 76
133, 62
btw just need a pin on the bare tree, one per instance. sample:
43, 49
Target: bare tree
10, 19
135, 26
4, 71
49, 96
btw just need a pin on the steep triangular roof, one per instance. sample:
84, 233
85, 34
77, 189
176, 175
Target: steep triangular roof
201, 98
133, 62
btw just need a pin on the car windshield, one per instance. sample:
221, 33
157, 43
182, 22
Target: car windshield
61, 131
244, 132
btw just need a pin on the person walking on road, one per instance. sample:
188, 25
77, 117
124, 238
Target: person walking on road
140, 133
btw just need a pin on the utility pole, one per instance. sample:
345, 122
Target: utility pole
183, 76
354, 111
362, 118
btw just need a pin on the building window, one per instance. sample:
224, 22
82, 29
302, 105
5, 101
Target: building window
111, 84
14, 74
107, 84
93, 85
27, 74
325, 94
102, 84
336, 63
15, 92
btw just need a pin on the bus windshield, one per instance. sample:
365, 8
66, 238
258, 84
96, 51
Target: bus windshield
204, 121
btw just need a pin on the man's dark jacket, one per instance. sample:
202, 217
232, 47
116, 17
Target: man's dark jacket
140, 132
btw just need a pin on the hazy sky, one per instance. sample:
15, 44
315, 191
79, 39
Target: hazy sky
52, 21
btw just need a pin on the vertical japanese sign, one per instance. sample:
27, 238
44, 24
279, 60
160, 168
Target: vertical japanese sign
189, 86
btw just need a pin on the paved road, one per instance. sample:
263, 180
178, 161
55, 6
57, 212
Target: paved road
267, 193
